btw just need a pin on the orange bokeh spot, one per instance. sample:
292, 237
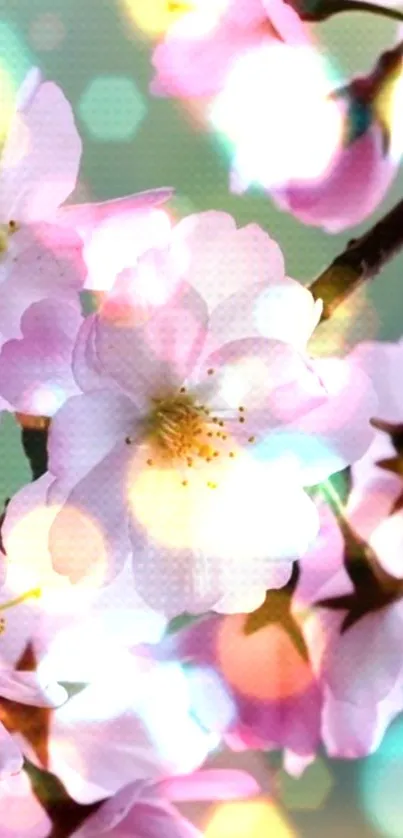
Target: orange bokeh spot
254, 819
265, 664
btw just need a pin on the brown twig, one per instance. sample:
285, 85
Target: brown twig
362, 260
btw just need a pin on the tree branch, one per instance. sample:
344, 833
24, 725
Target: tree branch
317, 10
362, 259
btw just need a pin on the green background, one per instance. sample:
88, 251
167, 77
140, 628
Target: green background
168, 149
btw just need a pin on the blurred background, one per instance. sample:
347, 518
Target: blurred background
99, 52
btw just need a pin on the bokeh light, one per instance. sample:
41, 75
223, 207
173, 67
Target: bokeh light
264, 664
381, 781
354, 320
254, 819
16, 59
308, 792
154, 17
47, 32
8, 91
15, 62
276, 131
389, 109
33, 566
112, 108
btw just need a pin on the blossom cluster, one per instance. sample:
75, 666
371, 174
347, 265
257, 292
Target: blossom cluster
190, 439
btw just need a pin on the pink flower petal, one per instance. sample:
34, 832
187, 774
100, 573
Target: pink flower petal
217, 259
364, 663
281, 310
116, 232
25, 688
156, 357
43, 261
199, 52
11, 760
367, 171
41, 157
21, 814
210, 784
380, 360
35, 372
89, 534
136, 810
334, 434
85, 430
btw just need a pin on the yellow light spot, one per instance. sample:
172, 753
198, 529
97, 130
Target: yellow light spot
154, 17
8, 91
252, 819
34, 570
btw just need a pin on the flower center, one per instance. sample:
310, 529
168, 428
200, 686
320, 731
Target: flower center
182, 432
182, 429
6, 230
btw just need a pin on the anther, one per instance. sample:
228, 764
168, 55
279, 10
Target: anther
184, 482
241, 419
150, 462
231, 454
241, 409
221, 424
210, 371
252, 439
182, 390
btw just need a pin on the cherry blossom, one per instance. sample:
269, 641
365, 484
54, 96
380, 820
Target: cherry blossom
366, 160
49, 252
40, 165
111, 730
219, 418
355, 646
202, 47
23, 687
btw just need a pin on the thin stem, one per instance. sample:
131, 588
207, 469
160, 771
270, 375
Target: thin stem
331, 7
362, 259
